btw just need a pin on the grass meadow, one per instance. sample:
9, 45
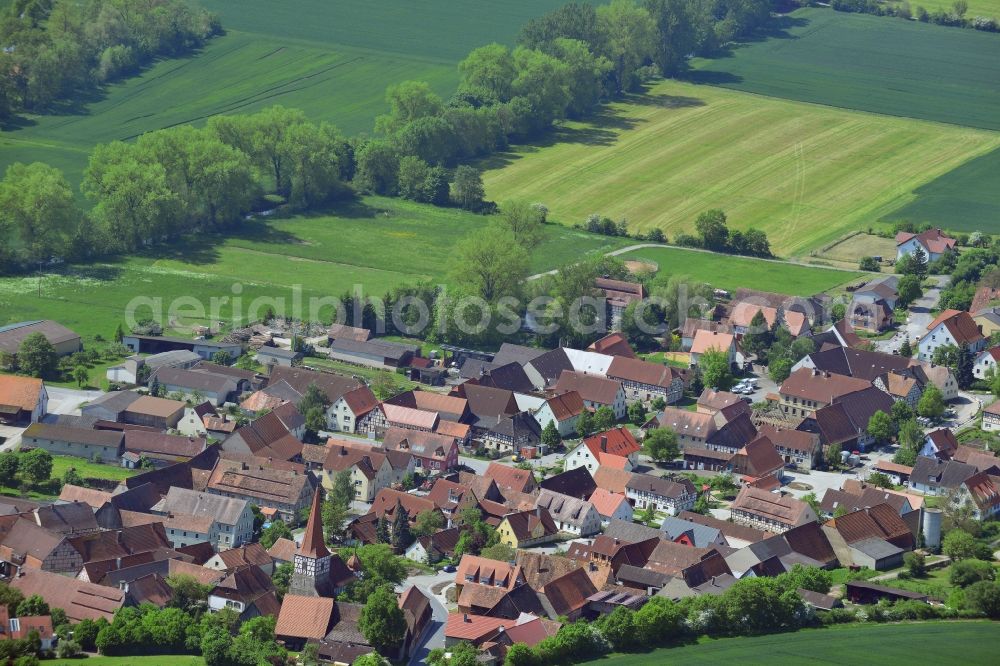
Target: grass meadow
377, 243
730, 273
883, 644
804, 173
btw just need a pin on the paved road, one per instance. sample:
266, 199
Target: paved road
61, 401
434, 636
917, 320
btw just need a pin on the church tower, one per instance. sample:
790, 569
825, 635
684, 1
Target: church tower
311, 562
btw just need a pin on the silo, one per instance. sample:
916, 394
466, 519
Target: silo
932, 529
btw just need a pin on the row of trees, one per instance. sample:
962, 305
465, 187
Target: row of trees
714, 234
956, 15
57, 49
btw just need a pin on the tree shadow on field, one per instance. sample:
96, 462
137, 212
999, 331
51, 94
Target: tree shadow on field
353, 208
196, 249
100, 273
712, 77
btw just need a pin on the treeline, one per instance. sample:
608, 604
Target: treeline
53, 50
566, 63
956, 17
751, 607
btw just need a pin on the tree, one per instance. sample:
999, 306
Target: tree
81, 375
711, 227
381, 621
984, 597
966, 572
282, 578
39, 211
880, 426
377, 168
370, 659
342, 493
964, 366
959, 545
931, 403
413, 178
468, 190
757, 339
715, 369
490, 69
490, 264
523, 221
909, 290
33, 605
916, 564
333, 515
779, 369
636, 413
813, 502
36, 464
833, 457
628, 37
408, 101
551, 439
498, 551
661, 444
188, 593
9, 461
37, 357
428, 523
900, 412
276, 530
585, 424
880, 480
905, 350
520, 654
604, 419
869, 264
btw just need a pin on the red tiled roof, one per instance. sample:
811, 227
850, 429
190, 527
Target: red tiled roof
616, 442
468, 627
20, 392
313, 544
613, 344
304, 617
599, 390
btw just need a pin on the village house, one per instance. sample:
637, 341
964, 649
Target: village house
266, 437
431, 452
81, 600
297, 379
63, 340
104, 445
646, 381
595, 391
933, 243
570, 514
742, 313
769, 511
371, 467
940, 443
933, 476
951, 327
807, 390
691, 428
523, 529
669, 495
284, 488
247, 555
248, 591
611, 506
617, 295
231, 520
564, 410
758, 463
705, 341
613, 344
845, 422
986, 361
796, 447
991, 417
26, 545
545, 369
161, 449
22, 400
616, 448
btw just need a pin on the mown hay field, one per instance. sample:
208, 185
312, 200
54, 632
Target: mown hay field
806, 174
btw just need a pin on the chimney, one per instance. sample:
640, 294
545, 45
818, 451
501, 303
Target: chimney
604, 443
465, 617
244, 467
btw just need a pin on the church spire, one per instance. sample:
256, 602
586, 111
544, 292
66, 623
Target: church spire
312, 541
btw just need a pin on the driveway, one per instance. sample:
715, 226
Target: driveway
918, 317
434, 636
477, 465
64, 401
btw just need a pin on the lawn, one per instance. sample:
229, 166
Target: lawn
870, 63
805, 174
87, 469
377, 243
332, 60
730, 273
852, 248
883, 644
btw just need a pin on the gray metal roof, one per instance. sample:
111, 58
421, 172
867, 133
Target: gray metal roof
226, 510
702, 535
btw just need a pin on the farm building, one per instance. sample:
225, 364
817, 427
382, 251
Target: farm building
373, 353
64, 340
149, 344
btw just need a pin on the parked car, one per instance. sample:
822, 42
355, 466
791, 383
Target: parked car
448, 568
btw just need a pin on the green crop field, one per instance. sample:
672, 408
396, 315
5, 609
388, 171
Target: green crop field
804, 173
377, 244
730, 273
871, 63
976, 7
885, 645
333, 60
964, 199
